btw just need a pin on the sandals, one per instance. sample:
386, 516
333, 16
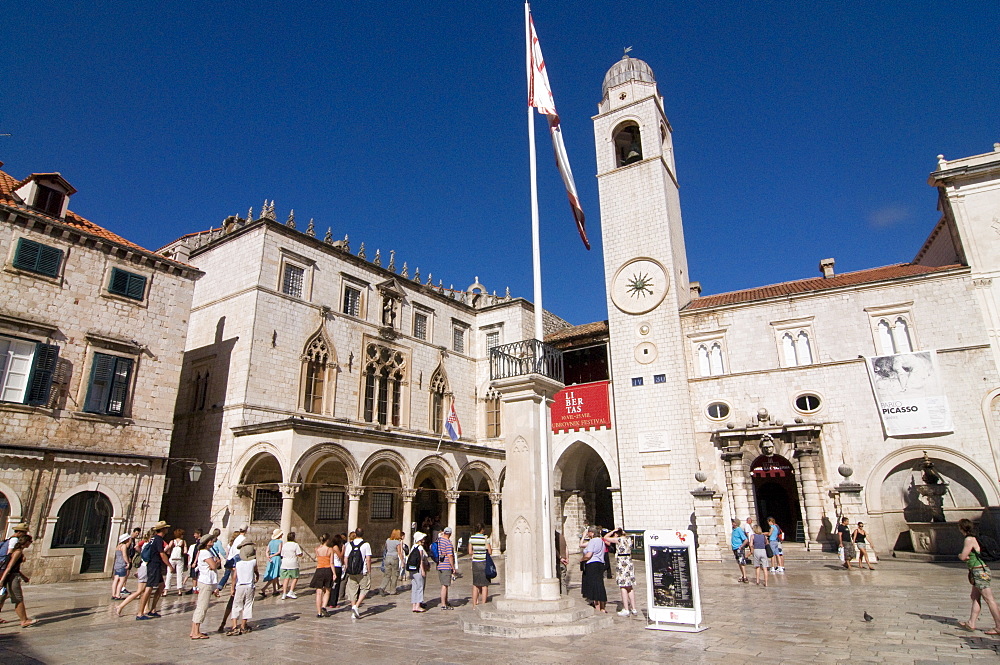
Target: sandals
966, 627
233, 632
995, 631
201, 636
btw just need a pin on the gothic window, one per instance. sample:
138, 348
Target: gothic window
894, 335
628, 144
439, 388
318, 374
796, 348
710, 362
492, 414
384, 374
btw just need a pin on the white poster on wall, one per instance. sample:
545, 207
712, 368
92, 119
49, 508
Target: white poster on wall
909, 393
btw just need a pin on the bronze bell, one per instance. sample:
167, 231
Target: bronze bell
634, 154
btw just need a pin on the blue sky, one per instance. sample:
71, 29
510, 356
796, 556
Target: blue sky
802, 130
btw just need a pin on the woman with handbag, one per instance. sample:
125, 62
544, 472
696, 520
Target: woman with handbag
479, 548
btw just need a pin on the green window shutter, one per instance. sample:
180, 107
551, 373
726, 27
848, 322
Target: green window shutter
124, 283
42, 370
101, 374
119, 386
36, 257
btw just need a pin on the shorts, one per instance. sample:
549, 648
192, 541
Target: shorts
760, 559
154, 575
980, 577
141, 574
14, 590
445, 576
740, 559
121, 572
322, 579
776, 547
289, 573
356, 585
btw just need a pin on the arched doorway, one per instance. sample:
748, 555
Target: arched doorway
259, 483
775, 493
584, 484
85, 521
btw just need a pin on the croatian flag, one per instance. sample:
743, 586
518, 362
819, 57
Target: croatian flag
540, 97
452, 425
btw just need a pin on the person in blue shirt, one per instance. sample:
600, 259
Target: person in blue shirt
739, 541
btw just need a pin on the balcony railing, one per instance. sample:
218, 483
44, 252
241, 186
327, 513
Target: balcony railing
529, 356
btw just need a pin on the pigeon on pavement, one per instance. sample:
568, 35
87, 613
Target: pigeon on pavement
868, 617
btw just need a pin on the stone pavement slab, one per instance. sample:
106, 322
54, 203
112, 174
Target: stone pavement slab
811, 614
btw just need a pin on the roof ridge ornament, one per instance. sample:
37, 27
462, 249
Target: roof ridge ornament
311, 228
290, 222
378, 258
392, 260
347, 243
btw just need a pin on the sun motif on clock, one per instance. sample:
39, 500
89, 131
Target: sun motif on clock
639, 286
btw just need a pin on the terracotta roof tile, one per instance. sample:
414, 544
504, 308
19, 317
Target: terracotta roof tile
596, 329
871, 275
7, 186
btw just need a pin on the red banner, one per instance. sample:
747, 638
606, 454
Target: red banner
580, 407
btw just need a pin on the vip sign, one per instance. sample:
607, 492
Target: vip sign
672, 595
581, 407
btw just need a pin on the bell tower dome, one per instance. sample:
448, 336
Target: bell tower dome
646, 277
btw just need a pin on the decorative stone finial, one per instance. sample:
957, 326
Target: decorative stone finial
392, 260
416, 275
328, 238
311, 229
250, 214
361, 251
290, 222
507, 294
430, 279
378, 257
347, 243
406, 271
701, 476
845, 471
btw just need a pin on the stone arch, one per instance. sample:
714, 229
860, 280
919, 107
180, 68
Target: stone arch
481, 467
626, 139
252, 454
439, 464
386, 457
14, 507
566, 441
992, 418
583, 478
887, 464
93, 486
313, 458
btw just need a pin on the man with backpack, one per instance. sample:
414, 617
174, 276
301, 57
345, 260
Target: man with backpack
6, 549
157, 564
443, 552
358, 554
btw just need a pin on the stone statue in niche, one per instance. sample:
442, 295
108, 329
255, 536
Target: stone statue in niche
389, 311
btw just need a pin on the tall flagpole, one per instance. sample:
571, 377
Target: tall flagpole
548, 563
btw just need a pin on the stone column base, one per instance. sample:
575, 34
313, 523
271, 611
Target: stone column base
535, 618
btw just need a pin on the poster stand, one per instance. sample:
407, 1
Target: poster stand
673, 599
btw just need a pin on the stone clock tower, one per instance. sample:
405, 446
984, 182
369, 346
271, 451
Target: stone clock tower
647, 283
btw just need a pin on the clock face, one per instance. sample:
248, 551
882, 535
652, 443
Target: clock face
639, 286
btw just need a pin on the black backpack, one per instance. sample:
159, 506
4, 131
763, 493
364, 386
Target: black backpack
355, 562
413, 560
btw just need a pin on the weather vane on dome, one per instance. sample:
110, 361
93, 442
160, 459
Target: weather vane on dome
627, 50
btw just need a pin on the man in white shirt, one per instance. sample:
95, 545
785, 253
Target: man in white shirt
748, 527
358, 584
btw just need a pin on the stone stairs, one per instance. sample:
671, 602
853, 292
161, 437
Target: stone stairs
528, 619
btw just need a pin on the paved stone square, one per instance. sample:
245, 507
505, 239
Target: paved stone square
812, 614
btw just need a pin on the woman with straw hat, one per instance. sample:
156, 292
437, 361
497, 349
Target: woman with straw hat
273, 572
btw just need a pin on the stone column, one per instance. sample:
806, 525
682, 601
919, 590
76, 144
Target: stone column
407, 495
495, 521
738, 480
527, 495
812, 515
354, 494
288, 492
452, 497
707, 512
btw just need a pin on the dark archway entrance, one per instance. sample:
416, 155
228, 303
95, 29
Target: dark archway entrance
583, 482
775, 493
85, 521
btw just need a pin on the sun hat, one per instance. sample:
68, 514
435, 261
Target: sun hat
159, 526
125, 536
248, 552
23, 526
277, 533
418, 536
206, 539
